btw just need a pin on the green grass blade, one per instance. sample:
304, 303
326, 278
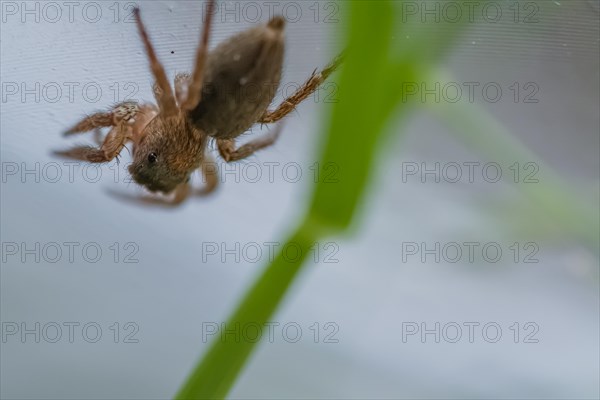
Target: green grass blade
356, 120
216, 374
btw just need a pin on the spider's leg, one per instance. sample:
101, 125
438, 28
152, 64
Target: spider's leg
230, 153
94, 121
120, 112
125, 112
164, 96
128, 121
195, 86
311, 84
111, 147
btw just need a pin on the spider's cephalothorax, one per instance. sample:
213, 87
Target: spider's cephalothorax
229, 90
169, 150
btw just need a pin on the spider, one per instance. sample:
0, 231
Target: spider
229, 90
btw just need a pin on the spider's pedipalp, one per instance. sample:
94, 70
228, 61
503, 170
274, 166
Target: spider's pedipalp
174, 199
209, 171
182, 81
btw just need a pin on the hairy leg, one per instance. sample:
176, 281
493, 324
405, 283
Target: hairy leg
128, 120
165, 98
195, 85
125, 111
311, 84
111, 147
230, 153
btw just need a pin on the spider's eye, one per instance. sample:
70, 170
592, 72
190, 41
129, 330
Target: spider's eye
152, 158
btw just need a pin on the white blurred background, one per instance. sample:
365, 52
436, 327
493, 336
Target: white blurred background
374, 292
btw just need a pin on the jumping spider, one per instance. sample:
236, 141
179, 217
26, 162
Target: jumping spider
229, 90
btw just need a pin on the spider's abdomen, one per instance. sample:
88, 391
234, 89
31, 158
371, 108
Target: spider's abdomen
242, 77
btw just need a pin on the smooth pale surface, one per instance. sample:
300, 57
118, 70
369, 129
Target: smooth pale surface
369, 293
